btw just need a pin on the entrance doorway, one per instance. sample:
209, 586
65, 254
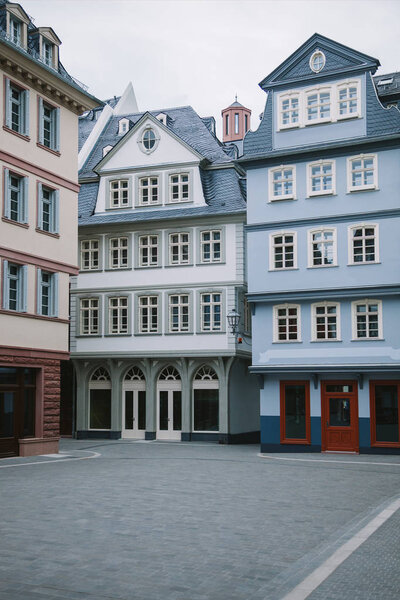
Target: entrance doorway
17, 408
169, 409
339, 416
134, 404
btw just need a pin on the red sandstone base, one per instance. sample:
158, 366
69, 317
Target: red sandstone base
35, 446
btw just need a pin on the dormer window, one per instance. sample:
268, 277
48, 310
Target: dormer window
47, 53
123, 126
348, 100
148, 141
16, 31
317, 61
106, 150
162, 117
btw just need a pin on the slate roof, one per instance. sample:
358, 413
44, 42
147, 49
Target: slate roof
381, 122
183, 121
224, 192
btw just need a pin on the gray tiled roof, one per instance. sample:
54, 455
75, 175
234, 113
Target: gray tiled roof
380, 122
183, 121
224, 192
388, 89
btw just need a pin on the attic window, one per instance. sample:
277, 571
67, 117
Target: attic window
123, 126
47, 53
317, 61
148, 140
385, 81
16, 31
106, 150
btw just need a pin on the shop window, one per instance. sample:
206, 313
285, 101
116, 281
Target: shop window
295, 412
385, 425
100, 400
206, 400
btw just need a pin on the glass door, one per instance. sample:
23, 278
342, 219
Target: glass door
8, 423
134, 414
169, 424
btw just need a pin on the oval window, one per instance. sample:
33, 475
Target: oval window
317, 61
149, 139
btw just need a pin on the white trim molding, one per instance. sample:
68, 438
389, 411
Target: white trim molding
291, 312
324, 175
364, 247
368, 163
285, 246
373, 319
284, 180
326, 319
326, 242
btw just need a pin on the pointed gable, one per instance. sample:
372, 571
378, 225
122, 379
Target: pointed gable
339, 59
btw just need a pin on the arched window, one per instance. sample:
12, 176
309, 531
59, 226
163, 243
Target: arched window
100, 400
169, 373
135, 374
205, 400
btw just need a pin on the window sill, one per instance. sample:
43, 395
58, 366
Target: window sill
12, 222
385, 445
179, 265
179, 333
149, 205
148, 266
43, 147
290, 127
178, 202
321, 194
377, 339
318, 122
211, 263
287, 342
361, 264
283, 269
151, 333
49, 233
321, 266
20, 135
296, 441
119, 207
81, 271
370, 188
282, 199
128, 334
220, 331
88, 335
324, 341
129, 268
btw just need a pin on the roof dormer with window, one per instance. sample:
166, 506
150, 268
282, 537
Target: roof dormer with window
17, 24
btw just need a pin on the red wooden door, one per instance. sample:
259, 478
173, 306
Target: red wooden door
339, 416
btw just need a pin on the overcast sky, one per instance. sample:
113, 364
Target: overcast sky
203, 52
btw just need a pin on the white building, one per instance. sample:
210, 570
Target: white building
162, 262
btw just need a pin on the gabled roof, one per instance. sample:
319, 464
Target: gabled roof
182, 121
339, 59
133, 129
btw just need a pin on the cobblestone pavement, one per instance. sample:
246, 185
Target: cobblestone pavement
173, 521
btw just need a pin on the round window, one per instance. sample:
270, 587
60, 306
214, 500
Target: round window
149, 139
317, 61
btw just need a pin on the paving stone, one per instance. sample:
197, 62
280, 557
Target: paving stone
164, 521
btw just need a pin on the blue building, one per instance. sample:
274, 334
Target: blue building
323, 226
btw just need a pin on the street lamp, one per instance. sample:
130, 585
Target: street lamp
233, 320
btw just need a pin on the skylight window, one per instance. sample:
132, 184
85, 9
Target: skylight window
385, 81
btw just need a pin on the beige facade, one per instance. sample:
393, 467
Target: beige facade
39, 107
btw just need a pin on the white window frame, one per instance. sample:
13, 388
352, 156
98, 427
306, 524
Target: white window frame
22, 197
123, 126
366, 301
148, 246
275, 326
320, 163
180, 245
272, 196
141, 136
311, 92
51, 288
150, 308
118, 307
346, 85
116, 186
351, 230
53, 202
212, 303
14, 21
47, 52
180, 185
212, 243
290, 96
118, 245
316, 53
314, 317
93, 312
149, 187
363, 187
91, 251
181, 305
272, 246
310, 234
